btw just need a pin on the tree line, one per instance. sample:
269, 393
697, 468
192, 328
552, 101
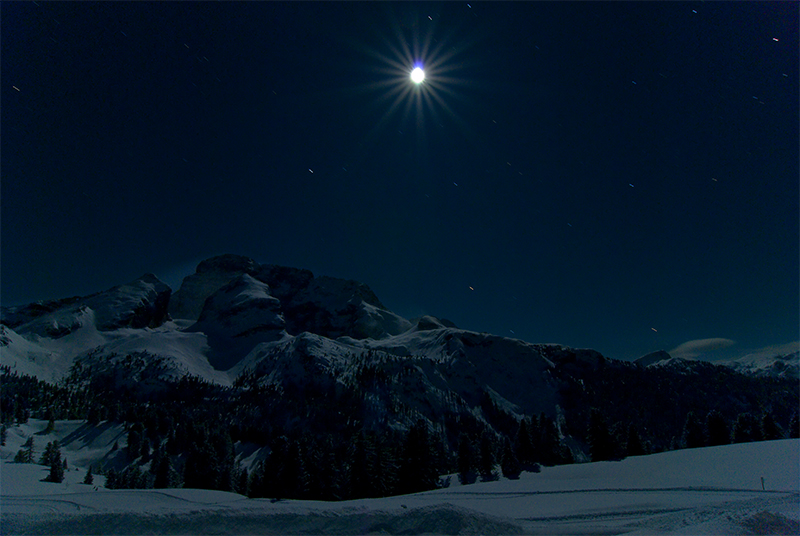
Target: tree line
325, 440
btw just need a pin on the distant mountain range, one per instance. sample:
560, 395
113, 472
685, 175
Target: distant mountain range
237, 323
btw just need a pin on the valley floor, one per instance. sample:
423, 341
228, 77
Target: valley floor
715, 490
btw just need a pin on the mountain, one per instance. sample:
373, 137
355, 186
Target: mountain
258, 353
654, 358
139, 304
781, 364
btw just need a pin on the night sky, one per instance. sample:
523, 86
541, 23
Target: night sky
619, 176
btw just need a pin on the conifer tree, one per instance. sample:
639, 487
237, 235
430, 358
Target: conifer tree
112, 479
241, 480
418, 465
26, 453
385, 467
524, 446
510, 464
746, 429
466, 460
634, 443
361, 470
200, 470
89, 478
794, 426
56, 465
769, 429
49, 454
487, 458
51, 423
600, 445
295, 478
717, 431
145, 450
165, 475
255, 482
135, 436
693, 436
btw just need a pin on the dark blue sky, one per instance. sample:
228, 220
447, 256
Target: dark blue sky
621, 176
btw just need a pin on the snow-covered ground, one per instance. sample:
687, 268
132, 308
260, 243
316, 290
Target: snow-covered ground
716, 490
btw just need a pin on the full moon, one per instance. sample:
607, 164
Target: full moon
417, 75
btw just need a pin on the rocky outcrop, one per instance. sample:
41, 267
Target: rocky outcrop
334, 308
142, 303
210, 276
326, 306
237, 317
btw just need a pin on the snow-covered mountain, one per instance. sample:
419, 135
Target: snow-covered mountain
223, 311
307, 340
780, 363
777, 362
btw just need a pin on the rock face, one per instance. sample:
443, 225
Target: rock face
323, 305
210, 276
142, 303
237, 317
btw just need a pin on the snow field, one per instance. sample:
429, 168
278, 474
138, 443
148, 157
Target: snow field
715, 490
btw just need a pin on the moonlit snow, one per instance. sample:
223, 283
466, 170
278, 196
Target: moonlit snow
714, 490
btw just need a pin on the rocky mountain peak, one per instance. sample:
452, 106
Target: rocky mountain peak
327, 306
229, 263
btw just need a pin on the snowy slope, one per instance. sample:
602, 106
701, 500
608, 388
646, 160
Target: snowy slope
716, 490
50, 359
783, 361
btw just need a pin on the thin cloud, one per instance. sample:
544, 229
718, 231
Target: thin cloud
696, 348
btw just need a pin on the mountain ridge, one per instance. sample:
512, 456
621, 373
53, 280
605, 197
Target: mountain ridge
281, 361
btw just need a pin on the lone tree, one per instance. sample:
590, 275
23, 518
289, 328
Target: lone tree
88, 479
56, 464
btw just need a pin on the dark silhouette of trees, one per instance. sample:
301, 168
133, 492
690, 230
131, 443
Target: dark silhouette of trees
523, 445
717, 430
418, 464
634, 446
769, 429
746, 429
509, 463
486, 458
467, 460
693, 433
601, 447
27, 452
